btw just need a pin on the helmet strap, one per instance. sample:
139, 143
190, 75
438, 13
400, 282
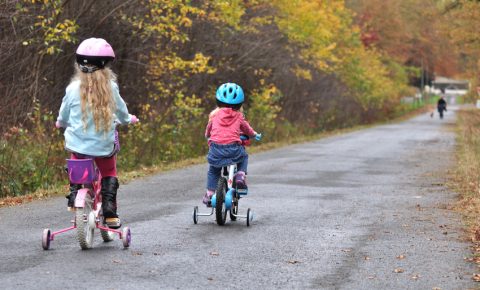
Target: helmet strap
88, 69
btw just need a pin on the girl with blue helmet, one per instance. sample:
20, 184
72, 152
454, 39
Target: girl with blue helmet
225, 126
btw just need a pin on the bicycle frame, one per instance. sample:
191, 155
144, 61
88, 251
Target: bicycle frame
231, 173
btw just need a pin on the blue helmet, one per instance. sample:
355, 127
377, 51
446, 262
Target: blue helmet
230, 93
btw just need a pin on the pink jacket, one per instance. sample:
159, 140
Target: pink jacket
225, 126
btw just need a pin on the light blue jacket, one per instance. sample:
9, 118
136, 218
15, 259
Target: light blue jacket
89, 141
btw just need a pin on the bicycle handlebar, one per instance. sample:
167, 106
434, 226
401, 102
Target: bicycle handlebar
246, 139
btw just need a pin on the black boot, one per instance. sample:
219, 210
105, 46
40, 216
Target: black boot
72, 195
109, 201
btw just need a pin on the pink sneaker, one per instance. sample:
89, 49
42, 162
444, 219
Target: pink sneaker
207, 198
241, 180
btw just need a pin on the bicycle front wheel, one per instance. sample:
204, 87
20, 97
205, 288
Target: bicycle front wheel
85, 222
220, 209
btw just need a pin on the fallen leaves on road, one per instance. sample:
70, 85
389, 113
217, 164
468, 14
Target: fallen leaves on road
398, 270
137, 253
438, 184
476, 277
477, 235
39, 194
293, 262
367, 258
16, 200
346, 250
372, 277
117, 261
214, 253
415, 277
401, 257
210, 279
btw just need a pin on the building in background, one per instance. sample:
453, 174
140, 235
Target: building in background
451, 89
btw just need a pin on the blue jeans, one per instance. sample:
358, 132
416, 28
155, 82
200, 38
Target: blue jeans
224, 155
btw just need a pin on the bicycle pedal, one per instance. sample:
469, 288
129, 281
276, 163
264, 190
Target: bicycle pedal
113, 223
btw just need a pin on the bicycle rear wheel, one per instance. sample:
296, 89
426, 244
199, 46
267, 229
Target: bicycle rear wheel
234, 209
220, 209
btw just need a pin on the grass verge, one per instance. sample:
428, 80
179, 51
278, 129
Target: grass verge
465, 180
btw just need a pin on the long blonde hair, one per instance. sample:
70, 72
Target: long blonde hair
97, 97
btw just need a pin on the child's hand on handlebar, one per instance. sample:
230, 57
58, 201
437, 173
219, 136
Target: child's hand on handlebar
133, 119
58, 125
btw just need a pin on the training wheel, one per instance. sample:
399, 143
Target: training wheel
126, 237
46, 239
249, 217
195, 214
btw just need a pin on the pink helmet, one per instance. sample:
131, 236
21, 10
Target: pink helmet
94, 51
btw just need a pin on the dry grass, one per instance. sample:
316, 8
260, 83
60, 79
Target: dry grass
466, 177
37, 195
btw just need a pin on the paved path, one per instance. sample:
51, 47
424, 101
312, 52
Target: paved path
331, 214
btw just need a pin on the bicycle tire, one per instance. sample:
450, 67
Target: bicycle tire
220, 209
84, 230
234, 209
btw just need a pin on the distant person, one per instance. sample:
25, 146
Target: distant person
441, 106
225, 126
90, 110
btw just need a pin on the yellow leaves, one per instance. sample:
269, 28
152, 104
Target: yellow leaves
331, 43
199, 64
185, 21
462, 26
263, 107
51, 30
166, 64
186, 108
228, 11
302, 73
318, 26
61, 32
165, 19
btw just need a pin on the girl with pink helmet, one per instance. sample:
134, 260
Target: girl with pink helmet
90, 110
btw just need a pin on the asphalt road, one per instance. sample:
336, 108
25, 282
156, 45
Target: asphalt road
363, 210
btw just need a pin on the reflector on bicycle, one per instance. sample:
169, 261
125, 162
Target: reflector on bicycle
81, 171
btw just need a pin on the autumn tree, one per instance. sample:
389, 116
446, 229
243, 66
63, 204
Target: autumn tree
463, 18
